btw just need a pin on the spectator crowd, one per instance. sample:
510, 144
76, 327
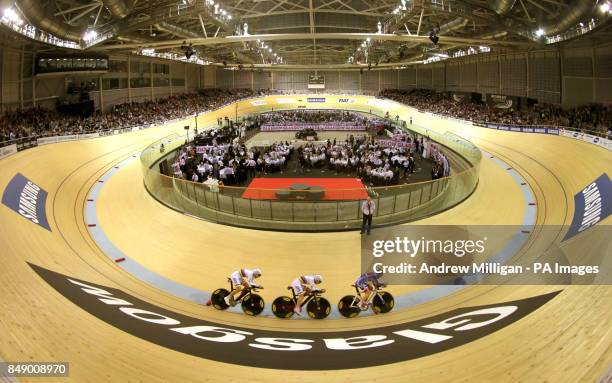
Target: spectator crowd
595, 118
376, 161
220, 159
43, 122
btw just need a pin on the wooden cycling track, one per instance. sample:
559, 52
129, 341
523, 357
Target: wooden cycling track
567, 340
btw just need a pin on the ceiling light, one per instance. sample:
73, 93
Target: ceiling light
12, 16
539, 32
90, 35
605, 7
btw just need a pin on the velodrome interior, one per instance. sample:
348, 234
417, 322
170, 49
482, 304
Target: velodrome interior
188, 251
568, 339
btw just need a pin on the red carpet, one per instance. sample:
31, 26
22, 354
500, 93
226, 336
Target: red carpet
335, 188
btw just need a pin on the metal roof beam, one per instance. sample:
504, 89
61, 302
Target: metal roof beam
318, 36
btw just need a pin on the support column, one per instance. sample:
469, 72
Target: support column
129, 78
170, 77
2, 83
397, 85
433, 85
528, 79
593, 76
151, 80
21, 60
100, 91
33, 79
477, 78
561, 72
499, 75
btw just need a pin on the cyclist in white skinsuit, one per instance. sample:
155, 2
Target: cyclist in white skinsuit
241, 279
302, 286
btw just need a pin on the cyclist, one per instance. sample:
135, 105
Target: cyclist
367, 283
241, 279
302, 286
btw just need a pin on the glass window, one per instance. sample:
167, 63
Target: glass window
141, 82
118, 66
160, 82
114, 83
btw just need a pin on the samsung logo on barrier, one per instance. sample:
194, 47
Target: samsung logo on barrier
592, 205
27, 199
315, 99
8, 150
277, 349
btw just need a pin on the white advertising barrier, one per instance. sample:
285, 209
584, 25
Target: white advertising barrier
71, 137
317, 127
599, 141
6, 151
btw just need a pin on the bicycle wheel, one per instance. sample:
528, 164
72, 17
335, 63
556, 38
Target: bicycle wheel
283, 307
346, 307
252, 304
318, 308
217, 299
383, 302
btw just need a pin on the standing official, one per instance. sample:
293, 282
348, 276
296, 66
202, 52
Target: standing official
367, 208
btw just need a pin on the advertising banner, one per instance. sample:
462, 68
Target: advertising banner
26, 199
592, 205
6, 151
599, 141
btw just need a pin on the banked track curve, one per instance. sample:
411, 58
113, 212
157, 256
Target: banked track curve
571, 330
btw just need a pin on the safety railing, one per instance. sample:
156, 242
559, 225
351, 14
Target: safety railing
314, 209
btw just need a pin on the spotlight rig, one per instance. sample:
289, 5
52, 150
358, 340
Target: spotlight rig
434, 38
188, 49
433, 35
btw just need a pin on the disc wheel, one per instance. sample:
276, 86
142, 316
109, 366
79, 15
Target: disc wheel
346, 308
283, 307
253, 304
318, 308
383, 302
217, 299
